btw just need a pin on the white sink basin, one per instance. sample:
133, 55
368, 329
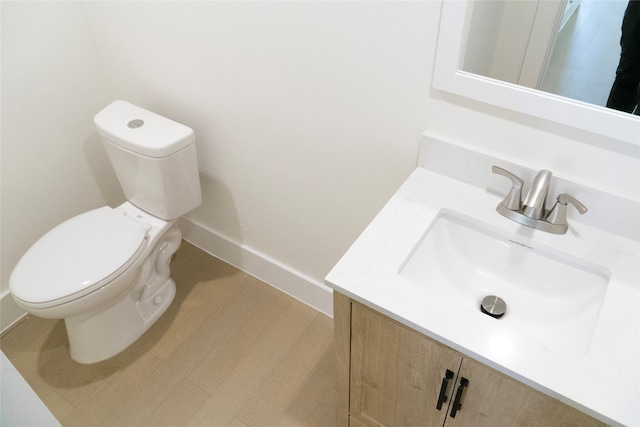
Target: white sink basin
551, 297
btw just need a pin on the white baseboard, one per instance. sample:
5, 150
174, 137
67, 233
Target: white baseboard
10, 313
276, 274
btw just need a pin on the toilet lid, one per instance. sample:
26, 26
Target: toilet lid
77, 256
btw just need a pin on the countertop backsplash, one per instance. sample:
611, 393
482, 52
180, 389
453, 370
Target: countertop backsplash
613, 213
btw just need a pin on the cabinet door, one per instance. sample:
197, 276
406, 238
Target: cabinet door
396, 373
493, 399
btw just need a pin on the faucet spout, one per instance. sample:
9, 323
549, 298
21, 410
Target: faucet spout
534, 202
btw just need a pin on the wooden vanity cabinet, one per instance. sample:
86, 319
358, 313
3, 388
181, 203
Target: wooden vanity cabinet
391, 375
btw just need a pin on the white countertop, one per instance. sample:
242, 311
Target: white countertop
602, 381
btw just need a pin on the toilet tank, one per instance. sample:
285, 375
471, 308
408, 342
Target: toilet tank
153, 157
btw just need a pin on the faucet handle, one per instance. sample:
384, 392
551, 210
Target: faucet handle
513, 200
558, 214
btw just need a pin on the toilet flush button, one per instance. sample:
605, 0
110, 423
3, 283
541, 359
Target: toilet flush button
134, 124
157, 299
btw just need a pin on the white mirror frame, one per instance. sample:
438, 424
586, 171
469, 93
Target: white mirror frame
448, 77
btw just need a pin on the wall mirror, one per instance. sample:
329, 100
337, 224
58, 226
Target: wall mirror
462, 69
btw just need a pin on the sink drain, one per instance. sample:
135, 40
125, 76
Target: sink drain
493, 306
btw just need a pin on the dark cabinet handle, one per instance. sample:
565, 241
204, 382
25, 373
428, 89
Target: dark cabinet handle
443, 389
456, 402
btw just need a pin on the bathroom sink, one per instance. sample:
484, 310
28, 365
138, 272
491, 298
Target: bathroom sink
552, 298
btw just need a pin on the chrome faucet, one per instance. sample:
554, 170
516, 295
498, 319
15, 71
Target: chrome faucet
532, 211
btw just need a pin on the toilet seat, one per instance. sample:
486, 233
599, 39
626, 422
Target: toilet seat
78, 257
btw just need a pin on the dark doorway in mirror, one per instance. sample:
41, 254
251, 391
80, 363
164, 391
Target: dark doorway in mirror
625, 92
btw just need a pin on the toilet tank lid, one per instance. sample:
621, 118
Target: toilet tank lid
76, 256
142, 131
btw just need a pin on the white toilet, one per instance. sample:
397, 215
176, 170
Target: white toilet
106, 271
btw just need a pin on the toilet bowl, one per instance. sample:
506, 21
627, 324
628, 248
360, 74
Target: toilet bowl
106, 272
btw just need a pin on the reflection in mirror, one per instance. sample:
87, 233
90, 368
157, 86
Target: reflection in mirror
567, 48
449, 76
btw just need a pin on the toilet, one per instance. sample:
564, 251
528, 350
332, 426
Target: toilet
106, 271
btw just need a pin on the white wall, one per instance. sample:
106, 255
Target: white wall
53, 166
307, 114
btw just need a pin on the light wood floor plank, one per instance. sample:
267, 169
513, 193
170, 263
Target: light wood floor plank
34, 343
237, 423
58, 406
270, 404
255, 366
146, 399
96, 405
224, 359
179, 406
314, 404
205, 284
228, 345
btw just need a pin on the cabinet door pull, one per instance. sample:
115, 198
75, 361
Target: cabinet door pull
456, 402
442, 397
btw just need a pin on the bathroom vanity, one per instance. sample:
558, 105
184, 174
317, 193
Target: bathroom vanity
414, 346
394, 376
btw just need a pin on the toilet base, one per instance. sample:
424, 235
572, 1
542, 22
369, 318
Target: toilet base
96, 337
107, 330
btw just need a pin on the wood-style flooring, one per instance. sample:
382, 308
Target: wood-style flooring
230, 351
